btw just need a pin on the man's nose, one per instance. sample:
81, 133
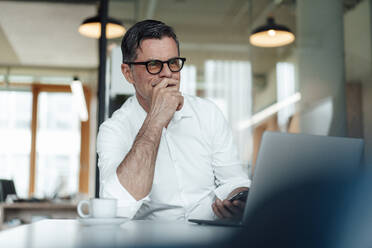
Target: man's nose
165, 71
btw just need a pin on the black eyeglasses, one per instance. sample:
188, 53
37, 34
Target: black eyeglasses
155, 66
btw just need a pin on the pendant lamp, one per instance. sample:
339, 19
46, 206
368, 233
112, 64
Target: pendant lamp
271, 35
91, 27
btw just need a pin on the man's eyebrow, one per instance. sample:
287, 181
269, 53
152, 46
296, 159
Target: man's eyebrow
152, 58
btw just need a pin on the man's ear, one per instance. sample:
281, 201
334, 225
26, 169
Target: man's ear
127, 72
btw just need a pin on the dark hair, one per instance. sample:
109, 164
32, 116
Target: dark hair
147, 29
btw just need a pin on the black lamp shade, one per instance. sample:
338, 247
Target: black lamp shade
271, 35
91, 27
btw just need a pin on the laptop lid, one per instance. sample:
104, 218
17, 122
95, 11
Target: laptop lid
286, 160
6, 188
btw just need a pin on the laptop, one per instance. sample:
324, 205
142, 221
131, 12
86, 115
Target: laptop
287, 160
6, 188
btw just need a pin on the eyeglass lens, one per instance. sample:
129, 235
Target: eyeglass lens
155, 66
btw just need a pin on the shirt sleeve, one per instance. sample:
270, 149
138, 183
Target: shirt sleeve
228, 169
113, 143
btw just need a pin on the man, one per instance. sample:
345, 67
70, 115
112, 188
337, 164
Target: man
164, 155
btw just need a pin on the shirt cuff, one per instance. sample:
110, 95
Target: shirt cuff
224, 190
127, 205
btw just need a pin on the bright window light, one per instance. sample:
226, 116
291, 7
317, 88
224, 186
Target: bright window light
285, 78
267, 112
79, 99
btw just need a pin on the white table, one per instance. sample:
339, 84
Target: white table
72, 234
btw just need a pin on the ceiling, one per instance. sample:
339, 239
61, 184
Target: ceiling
44, 33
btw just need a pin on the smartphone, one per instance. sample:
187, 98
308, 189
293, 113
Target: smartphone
241, 196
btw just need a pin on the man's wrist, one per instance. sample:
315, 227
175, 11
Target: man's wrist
151, 131
153, 124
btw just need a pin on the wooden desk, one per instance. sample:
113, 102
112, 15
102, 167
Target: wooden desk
71, 234
27, 211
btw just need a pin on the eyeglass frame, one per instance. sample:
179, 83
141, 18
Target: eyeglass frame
145, 63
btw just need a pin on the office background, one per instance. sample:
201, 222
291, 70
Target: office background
48, 150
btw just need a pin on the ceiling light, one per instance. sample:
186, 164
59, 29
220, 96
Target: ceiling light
271, 35
91, 28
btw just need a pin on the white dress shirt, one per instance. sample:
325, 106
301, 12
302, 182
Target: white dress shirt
196, 161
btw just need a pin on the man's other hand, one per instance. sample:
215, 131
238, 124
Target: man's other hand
229, 210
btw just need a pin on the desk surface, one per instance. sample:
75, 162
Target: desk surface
71, 234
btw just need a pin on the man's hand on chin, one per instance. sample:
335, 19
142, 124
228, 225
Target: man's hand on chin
229, 210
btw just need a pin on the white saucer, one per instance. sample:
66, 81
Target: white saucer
102, 221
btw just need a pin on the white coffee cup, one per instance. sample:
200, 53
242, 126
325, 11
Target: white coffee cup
98, 208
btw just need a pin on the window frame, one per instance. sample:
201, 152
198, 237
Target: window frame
84, 166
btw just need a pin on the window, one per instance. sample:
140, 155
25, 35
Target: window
228, 83
41, 140
58, 145
15, 138
285, 74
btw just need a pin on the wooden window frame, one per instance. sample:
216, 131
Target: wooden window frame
36, 89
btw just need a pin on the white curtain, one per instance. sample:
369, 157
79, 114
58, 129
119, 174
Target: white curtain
229, 85
285, 74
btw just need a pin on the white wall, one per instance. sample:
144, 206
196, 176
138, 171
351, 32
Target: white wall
265, 95
118, 83
320, 51
357, 33
358, 53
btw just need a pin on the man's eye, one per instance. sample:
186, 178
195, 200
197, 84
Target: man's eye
153, 63
174, 62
